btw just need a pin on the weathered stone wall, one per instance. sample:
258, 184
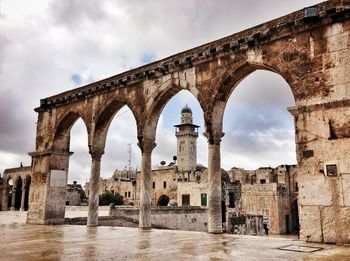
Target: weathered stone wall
178, 218
323, 199
266, 200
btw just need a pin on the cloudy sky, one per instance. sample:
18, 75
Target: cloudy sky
47, 47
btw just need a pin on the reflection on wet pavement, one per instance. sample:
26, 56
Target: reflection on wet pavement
64, 242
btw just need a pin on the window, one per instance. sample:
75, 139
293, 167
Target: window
231, 197
182, 146
164, 184
296, 186
262, 202
126, 194
331, 170
262, 181
253, 179
153, 185
204, 199
129, 194
185, 200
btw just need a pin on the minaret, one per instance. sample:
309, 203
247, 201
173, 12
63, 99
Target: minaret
186, 134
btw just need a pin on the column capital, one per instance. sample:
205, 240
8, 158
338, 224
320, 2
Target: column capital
146, 145
214, 138
96, 153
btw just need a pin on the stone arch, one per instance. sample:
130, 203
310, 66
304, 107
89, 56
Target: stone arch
61, 139
230, 80
163, 200
159, 103
104, 120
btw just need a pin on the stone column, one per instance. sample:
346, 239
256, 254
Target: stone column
214, 189
13, 199
146, 147
92, 219
23, 199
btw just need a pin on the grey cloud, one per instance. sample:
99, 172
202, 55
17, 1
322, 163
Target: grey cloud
73, 13
15, 127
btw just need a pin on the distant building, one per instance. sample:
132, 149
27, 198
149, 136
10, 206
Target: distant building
15, 189
269, 192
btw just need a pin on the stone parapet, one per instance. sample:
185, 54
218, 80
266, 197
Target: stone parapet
178, 218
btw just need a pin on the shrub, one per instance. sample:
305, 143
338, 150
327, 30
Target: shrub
107, 198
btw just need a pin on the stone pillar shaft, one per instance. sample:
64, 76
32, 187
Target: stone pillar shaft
92, 219
23, 199
214, 189
145, 196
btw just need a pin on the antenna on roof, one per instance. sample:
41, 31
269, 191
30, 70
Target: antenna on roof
129, 159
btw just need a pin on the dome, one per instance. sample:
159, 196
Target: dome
186, 109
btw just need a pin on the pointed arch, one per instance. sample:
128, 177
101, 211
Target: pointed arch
62, 135
224, 88
104, 120
158, 104
238, 72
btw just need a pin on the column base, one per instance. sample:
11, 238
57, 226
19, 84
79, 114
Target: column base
92, 225
145, 228
218, 231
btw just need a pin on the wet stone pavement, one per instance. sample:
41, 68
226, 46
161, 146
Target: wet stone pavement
20, 241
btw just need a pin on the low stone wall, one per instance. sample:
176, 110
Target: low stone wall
104, 221
177, 218
85, 208
246, 225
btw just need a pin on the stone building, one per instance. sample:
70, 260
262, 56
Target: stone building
269, 192
75, 195
15, 189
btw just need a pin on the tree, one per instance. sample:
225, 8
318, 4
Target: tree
107, 198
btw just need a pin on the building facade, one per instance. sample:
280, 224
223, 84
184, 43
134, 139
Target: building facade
269, 192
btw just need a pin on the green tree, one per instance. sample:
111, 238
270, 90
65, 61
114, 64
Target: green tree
107, 198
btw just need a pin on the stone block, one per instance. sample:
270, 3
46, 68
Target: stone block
328, 225
345, 189
314, 190
310, 222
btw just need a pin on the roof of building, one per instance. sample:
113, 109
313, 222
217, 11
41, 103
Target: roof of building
19, 169
186, 109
